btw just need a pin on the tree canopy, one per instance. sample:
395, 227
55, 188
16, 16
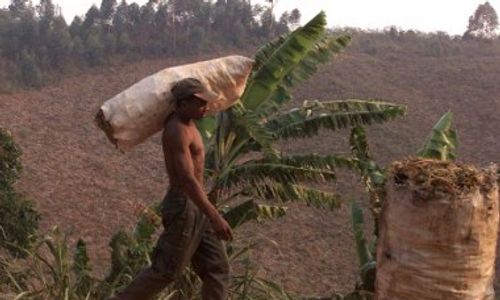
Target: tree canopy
483, 23
36, 40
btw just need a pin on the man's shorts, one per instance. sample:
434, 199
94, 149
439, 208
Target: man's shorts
184, 227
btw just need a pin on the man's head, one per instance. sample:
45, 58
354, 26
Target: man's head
191, 98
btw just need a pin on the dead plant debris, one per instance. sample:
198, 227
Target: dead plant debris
434, 179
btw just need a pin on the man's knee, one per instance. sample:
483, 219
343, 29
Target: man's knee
221, 268
163, 276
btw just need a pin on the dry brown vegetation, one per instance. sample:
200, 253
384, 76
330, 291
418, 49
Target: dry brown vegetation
81, 183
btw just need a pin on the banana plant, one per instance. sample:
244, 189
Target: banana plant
241, 161
242, 164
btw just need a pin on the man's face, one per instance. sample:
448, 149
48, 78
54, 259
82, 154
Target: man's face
194, 107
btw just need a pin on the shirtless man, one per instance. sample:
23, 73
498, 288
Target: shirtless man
193, 228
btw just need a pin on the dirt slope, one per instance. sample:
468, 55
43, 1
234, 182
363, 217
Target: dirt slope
81, 183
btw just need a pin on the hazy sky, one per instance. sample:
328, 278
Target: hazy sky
425, 15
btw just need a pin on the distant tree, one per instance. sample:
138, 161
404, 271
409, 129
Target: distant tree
163, 29
9, 36
204, 15
198, 34
35, 40
46, 14
32, 76
20, 30
133, 20
107, 11
78, 48
266, 27
145, 28
178, 14
483, 23
190, 23
393, 32
59, 43
91, 18
20, 7
134, 13
5, 24
109, 41
271, 10
28, 30
123, 43
46, 9
242, 17
121, 18
294, 19
94, 48
220, 24
75, 29
283, 24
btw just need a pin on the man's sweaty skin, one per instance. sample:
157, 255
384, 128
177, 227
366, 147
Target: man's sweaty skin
185, 159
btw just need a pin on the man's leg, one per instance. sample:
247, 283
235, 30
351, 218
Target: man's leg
211, 263
145, 286
172, 252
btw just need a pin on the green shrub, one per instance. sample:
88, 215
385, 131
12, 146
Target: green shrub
10, 167
18, 217
50, 271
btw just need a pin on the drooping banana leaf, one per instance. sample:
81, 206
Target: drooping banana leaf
287, 192
258, 170
320, 162
250, 210
332, 115
249, 127
288, 169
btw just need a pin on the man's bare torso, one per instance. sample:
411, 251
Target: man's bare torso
191, 141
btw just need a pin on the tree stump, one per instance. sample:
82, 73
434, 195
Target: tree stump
438, 232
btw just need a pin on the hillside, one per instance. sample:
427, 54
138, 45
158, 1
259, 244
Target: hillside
81, 183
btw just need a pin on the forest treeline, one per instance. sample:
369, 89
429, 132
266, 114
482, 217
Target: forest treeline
36, 41
37, 45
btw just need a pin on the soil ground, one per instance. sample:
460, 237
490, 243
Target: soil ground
82, 184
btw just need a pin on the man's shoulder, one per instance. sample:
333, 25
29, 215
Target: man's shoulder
172, 124
174, 129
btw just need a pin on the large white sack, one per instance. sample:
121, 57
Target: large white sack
140, 111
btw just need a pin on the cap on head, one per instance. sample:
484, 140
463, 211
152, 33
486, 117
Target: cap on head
188, 87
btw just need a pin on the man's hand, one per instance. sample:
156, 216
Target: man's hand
222, 228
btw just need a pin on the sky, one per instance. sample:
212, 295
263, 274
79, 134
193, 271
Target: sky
424, 15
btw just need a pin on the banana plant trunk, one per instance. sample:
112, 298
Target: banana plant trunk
438, 232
